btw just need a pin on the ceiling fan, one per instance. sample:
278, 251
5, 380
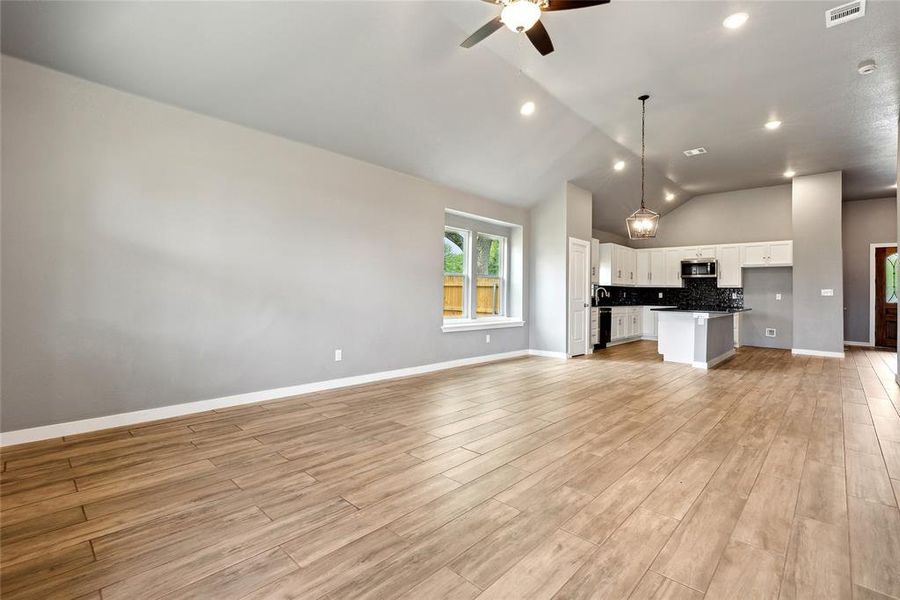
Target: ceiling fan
524, 16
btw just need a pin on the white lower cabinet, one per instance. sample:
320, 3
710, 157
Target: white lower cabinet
649, 323
627, 323
595, 325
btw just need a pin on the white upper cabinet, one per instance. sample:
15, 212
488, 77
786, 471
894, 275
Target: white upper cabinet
657, 268
651, 268
595, 261
612, 264
642, 258
781, 254
768, 254
729, 259
674, 256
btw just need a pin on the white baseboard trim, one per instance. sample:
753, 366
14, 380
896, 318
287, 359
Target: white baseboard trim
34, 434
863, 344
547, 354
710, 364
826, 354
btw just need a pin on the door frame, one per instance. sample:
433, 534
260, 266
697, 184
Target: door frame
587, 294
872, 248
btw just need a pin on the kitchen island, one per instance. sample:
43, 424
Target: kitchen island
700, 338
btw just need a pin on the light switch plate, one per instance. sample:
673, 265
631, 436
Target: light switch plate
778, 296
487, 338
338, 355
828, 292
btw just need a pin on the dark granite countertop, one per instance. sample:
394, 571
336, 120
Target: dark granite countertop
711, 310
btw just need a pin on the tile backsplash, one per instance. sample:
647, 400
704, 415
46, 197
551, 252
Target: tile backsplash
696, 293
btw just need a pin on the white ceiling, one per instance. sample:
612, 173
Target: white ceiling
386, 82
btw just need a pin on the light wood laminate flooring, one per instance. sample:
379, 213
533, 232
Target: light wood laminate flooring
612, 476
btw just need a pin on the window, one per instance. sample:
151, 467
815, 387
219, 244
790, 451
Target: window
490, 251
890, 279
482, 275
456, 280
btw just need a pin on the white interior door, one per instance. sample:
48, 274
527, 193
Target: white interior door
579, 296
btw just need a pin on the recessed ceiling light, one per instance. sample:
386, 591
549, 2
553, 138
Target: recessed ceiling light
669, 196
773, 125
789, 173
620, 164
866, 67
736, 20
527, 109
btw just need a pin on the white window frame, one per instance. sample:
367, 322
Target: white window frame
470, 320
504, 273
466, 274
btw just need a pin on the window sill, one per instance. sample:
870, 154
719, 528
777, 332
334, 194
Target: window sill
476, 324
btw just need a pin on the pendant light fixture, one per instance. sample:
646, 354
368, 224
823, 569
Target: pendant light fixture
642, 223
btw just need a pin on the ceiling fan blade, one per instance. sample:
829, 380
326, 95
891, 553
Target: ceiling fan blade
570, 4
485, 30
540, 38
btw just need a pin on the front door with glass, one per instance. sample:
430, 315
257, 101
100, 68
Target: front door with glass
886, 297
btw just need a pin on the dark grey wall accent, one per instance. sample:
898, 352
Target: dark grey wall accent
753, 215
816, 216
152, 256
864, 222
760, 287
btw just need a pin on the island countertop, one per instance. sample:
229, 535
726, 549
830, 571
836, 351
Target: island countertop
709, 314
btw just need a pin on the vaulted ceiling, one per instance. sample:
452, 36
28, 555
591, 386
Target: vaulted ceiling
387, 82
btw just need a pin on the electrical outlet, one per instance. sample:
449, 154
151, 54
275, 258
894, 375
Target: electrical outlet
660, 294
828, 292
734, 295
487, 338
338, 355
778, 296
770, 332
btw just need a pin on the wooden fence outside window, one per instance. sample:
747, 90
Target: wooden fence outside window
487, 294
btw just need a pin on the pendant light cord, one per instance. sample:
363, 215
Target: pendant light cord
643, 100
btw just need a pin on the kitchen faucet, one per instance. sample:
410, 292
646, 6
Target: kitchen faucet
604, 293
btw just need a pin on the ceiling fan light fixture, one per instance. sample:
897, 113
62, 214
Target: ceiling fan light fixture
520, 15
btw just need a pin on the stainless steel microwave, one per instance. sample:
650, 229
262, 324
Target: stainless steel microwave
698, 267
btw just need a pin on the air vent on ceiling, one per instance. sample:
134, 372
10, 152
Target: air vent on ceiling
845, 12
695, 152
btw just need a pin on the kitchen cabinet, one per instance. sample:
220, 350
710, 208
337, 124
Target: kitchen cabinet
729, 263
617, 265
651, 268
613, 264
648, 323
626, 323
768, 254
674, 257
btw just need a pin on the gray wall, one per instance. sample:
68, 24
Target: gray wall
754, 215
760, 287
153, 256
816, 216
579, 208
548, 281
864, 222
606, 236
